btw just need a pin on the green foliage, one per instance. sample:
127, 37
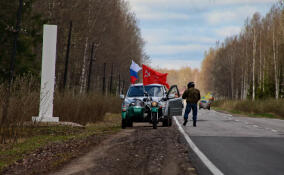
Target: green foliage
265, 91
29, 38
268, 91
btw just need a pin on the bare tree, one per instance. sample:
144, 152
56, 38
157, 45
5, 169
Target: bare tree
250, 64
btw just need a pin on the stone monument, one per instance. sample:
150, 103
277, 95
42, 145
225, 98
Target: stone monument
47, 75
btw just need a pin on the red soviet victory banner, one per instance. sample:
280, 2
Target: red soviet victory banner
151, 76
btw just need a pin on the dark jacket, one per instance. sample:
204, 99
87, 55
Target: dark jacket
191, 95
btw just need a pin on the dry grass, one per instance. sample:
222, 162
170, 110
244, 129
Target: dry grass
43, 135
24, 103
267, 108
84, 109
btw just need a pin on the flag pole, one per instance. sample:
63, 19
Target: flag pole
143, 82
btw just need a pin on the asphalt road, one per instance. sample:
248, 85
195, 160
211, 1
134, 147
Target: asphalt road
239, 145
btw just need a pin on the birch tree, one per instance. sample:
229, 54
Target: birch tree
249, 65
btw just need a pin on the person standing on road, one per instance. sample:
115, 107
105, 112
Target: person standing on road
192, 96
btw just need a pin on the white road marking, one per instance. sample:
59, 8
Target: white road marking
237, 120
273, 130
255, 126
214, 170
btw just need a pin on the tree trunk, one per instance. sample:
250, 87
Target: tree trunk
83, 78
260, 64
50, 8
83, 72
253, 64
275, 67
242, 84
245, 73
263, 74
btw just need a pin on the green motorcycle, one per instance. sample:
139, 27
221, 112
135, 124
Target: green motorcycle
135, 111
151, 104
154, 113
141, 111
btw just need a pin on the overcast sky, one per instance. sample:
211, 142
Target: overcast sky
178, 32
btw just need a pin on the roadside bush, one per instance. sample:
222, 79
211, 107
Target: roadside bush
267, 106
84, 109
71, 107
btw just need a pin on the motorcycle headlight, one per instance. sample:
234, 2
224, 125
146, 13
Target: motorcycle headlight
138, 103
163, 105
124, 108
125, 105
126, 102
154, 104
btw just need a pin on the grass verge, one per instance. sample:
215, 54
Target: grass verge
70, 106
269, 108
44, 135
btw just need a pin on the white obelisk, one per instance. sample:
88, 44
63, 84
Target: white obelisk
47, 75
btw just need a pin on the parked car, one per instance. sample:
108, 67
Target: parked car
150, 103
205, 104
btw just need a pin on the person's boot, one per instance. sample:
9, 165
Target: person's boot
194, 123
185, 121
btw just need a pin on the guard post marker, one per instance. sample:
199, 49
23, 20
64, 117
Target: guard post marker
47, 75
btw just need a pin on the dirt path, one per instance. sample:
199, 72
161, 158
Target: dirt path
140, 150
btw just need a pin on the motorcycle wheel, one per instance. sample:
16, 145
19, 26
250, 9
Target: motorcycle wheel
123, 123
170, 122
154, 120
165, 123
130, 123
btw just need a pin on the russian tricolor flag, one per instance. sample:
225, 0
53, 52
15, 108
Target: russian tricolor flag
134, 69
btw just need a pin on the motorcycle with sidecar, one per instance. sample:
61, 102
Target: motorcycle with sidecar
151, 104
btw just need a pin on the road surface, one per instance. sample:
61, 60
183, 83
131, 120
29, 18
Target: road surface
239, 145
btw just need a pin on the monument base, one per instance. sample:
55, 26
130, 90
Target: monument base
45, 119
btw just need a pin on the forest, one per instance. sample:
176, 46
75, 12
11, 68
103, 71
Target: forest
182, 76
249, 65
97, 40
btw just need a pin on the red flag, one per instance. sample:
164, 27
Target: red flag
133, 79
151, 76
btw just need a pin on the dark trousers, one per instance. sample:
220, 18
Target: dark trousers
188, 108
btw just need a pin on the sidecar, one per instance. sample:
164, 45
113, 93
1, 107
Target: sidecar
141, 103
134, 112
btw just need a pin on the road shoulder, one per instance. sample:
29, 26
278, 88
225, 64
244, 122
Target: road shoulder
52, 146
139, 150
